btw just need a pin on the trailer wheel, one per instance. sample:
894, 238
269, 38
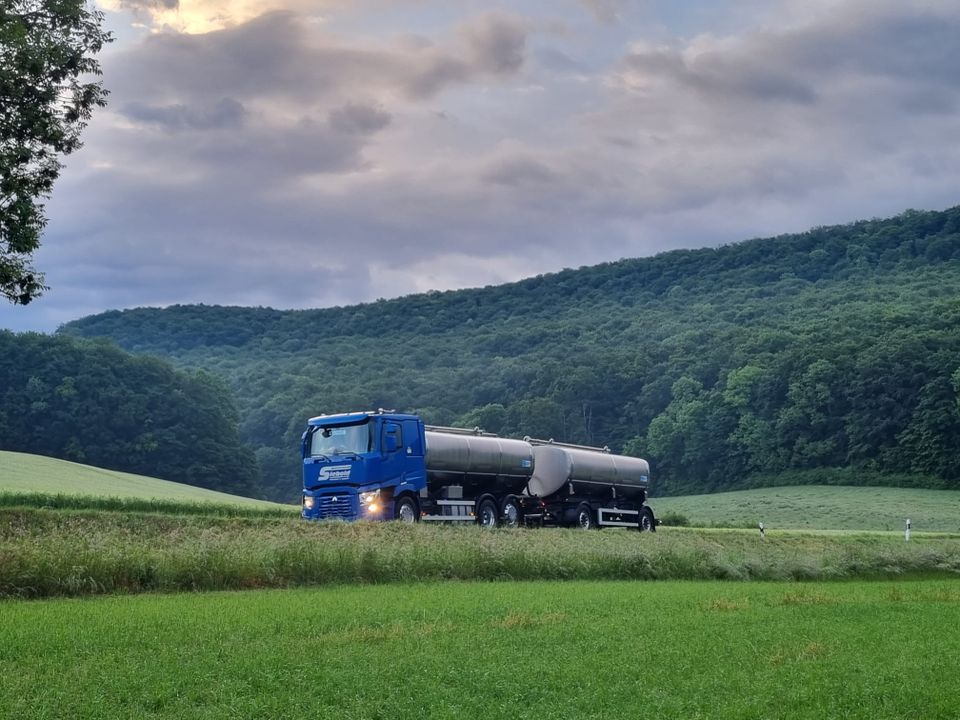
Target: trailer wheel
645, 521
406, 510
510, 512
584, 517
487, 513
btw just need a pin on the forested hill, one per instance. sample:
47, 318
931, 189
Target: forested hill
90, 402
832, 354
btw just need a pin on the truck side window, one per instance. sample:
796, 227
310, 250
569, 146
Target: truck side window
395, 431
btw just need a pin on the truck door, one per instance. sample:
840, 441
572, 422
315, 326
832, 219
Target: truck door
394, 451
412, 447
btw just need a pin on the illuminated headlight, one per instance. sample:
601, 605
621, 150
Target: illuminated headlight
308, 502
368, 498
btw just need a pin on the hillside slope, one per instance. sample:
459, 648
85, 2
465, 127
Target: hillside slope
24, 473
834, 348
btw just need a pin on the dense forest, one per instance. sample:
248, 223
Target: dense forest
827, 356
90, 402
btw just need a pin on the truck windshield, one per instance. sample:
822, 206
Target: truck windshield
341, 440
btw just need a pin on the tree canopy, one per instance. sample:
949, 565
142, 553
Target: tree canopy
48, 91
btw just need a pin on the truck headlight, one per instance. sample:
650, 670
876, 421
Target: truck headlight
308, 502
368, 498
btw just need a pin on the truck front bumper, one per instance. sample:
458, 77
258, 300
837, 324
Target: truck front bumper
343, 504
334, 504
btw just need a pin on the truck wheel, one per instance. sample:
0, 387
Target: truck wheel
406, 510
487, 513
646, 522
584, 517
510, 513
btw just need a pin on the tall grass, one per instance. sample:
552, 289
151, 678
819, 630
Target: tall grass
49, 553
60, 501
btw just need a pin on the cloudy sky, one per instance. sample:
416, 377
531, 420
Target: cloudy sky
306, 153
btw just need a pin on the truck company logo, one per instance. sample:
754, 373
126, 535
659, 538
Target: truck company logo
334, 472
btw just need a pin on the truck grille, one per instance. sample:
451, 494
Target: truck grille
337, 506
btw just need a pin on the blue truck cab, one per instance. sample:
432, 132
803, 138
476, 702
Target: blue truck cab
361, 465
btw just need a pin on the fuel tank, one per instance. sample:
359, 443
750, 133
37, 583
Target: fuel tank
592, 472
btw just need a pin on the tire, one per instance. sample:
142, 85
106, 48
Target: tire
510, 513
487, 515
646, 521
406, 510
584, 518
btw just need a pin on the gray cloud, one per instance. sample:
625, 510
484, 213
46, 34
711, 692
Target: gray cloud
496, 43
719, 74
274, 56
434, 73
356, 118
519, 170
894, 45
293, 164
225, 113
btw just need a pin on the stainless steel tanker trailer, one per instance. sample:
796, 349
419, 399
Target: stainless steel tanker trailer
384, 465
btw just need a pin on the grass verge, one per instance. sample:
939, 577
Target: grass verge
59, 501
49, 553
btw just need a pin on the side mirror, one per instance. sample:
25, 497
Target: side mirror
392, 445
303, 443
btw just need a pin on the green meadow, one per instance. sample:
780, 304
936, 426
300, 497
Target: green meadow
870, 650
42, 477
820, 508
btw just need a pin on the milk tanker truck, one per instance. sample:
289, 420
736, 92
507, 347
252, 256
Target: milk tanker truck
385, 465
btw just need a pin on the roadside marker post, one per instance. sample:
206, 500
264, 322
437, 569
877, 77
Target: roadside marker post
906, 533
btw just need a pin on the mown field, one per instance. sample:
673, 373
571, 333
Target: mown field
492, 650
24, 474
821, 508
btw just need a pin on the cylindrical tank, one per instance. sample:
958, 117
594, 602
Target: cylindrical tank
595, 472
478, 455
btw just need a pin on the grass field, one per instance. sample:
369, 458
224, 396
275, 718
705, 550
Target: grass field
21, 473
58, 552
823, 508
492, 650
